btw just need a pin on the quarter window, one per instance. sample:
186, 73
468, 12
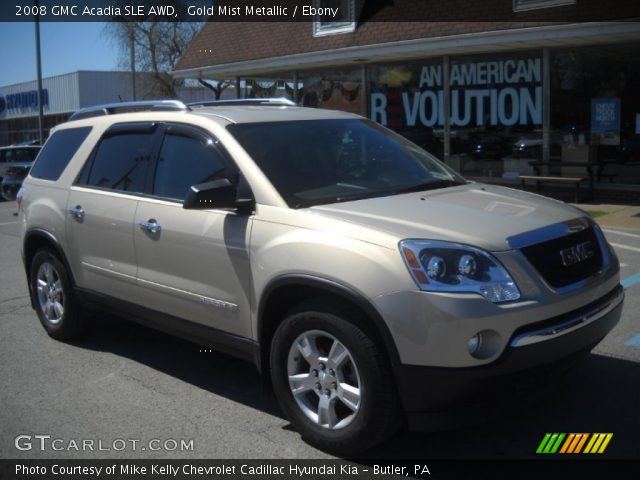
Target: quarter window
57, 152
121, 162
185, 161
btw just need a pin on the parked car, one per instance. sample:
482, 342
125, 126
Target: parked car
15, 162
529, 145
370, 284
490, 145
29, 142
12, 181
629, 150
16, 154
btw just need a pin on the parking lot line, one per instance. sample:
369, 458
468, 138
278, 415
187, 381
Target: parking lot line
8, 223
618, 232
629, 281
625, 247
633, 341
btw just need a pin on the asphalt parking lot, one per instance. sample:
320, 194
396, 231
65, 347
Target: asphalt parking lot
127, 382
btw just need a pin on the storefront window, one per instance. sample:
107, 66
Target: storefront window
595, 111
18, 130
333, 89
268, 87
496, 109
408, 99
496, 113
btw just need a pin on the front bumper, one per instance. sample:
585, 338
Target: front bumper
534, 352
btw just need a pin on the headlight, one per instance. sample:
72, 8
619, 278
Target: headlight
452, 267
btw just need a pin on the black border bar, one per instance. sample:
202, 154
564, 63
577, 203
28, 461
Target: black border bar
360, 11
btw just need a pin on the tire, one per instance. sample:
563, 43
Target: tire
53, 296
356, 405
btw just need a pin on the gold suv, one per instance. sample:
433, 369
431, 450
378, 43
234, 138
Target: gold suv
370, 283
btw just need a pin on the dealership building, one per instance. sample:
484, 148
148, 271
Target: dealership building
64, 94
526, 95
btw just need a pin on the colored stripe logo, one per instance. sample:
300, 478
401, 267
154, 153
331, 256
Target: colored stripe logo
572, 443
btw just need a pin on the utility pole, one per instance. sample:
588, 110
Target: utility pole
132, 51
39, 73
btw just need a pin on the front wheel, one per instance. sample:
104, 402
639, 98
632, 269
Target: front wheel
333, 382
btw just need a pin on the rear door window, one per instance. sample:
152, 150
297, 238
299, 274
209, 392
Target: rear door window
121, 159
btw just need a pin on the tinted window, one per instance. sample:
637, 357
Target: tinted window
120, 163
57, 152
186, 161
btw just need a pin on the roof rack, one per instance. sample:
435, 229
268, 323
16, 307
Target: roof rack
125, 107
275, 101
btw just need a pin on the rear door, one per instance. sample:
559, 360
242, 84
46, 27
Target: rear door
193, 264
102, 206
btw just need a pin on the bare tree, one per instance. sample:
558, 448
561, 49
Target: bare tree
154, 47
215, 86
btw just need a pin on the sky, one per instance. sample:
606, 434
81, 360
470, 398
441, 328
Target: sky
65, 47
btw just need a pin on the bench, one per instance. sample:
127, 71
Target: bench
563, 180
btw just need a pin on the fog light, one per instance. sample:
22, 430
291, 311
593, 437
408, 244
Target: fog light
484, 345
475, 344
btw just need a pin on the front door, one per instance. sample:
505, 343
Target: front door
192, 264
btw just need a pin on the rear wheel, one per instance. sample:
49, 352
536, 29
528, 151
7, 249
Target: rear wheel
333, 382
53, 296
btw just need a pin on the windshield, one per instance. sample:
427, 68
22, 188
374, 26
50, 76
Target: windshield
315, 162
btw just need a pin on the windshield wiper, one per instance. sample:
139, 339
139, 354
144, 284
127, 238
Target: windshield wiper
433, 185
422, 187
341, 199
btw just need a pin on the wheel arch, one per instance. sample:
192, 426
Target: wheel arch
275, 303
34, 240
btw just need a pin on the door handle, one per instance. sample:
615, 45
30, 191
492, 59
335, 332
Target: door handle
77, 212
151, 226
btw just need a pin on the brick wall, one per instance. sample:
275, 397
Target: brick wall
229, 42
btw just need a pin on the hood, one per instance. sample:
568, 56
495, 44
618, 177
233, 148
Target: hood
475, 214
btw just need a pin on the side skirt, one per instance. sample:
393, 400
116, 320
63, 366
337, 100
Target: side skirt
237, 346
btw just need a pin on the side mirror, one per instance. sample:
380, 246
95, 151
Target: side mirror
219, 193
